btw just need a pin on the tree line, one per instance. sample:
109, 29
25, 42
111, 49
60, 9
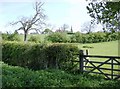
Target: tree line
64, 37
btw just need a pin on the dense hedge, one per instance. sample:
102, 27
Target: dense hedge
27, 55
94, 37
61, 55
39, 56
17, 77
83, 38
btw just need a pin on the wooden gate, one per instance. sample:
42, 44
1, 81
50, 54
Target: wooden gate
97, 65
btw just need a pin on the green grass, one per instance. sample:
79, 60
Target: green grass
14, 76
40, 36
103, 48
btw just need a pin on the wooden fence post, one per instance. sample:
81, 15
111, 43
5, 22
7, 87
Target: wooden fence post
81, 61
87, 52
112, 68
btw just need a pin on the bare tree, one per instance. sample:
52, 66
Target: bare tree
64, 27
34, 22
88, 27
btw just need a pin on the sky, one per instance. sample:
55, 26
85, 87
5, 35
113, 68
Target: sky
59, 12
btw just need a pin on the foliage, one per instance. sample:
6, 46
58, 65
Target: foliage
27, 55
34, 39
47, 31
11, 37
106, 13
58, 37
14, 76
38, 56
76, 37
94, 37
61, 55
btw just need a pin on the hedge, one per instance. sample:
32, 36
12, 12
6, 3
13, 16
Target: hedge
61, 55
18, 77
39, 56
83, 38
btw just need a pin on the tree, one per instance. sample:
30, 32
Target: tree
64, 27
88, 27
58, 37
107, 13
47, 31
32, 23
71, 29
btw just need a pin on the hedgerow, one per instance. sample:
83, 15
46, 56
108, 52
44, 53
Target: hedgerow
39, 56
94, 37
83, 38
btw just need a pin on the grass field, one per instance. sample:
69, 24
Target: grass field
103, 49
40, 36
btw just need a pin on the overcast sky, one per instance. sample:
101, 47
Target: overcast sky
59, 12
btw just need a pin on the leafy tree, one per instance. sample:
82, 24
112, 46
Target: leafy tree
58, 37
107, 13
47, 31
32, 23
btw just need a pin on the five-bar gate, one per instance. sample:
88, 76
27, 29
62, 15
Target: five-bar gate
98, 65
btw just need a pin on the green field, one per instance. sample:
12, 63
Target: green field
103, 49
40, 36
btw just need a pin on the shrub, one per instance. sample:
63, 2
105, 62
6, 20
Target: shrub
14, 76
38, 56
61, 55
59, 37
34, 39
26, 55
11, 37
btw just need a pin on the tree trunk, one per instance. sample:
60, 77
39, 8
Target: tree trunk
25, 36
